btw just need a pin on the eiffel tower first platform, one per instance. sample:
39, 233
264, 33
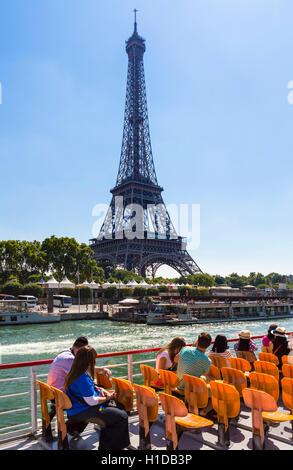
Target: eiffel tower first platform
137, 233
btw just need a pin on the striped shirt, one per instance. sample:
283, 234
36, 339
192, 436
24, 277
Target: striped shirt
192, 362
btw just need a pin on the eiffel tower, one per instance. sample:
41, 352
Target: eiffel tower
137, 233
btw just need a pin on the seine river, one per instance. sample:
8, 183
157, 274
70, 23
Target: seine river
37, 342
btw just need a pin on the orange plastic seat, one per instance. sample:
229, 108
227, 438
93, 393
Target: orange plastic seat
286, 360
268, 357
267, 368
150, 375
266, 349
240, 364
62, 403
214, 373
177, 419
287, 370
247, 355
234, 377
147, 404
265, 382
219, 361
124, 391
226, 402
287, 394
263, 407
102, 380
45, 395
170, 380
196, 393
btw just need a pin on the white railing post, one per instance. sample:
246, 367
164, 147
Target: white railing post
34, 400
130, 368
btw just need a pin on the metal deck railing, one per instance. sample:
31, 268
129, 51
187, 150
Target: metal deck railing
30, 412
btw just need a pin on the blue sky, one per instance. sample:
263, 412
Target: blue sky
217, 76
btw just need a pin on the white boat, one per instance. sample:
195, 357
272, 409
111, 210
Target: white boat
14, 312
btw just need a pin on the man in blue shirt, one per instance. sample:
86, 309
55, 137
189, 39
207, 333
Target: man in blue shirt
193, 360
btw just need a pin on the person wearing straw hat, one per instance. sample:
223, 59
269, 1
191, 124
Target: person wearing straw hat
246, 345
280, 344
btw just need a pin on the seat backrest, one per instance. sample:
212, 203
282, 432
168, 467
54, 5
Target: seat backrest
248, 355
214, 373
287, 370
258, 401
267, 368
196, 393
234, 377
149, 374
225, 401
62, 402
268, 357
147, 404
102, 380
124, 391
219, 361
285, 360
287, 392
46, 394
172, 407
169, 379
266, 349
265, 382
240, 364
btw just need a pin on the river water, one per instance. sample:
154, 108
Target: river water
37, 342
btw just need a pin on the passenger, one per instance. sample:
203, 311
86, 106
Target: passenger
167, 357
221, 348
267, 341
193, 360
62, 365
90, 404
63, 362
280, 344
245, 347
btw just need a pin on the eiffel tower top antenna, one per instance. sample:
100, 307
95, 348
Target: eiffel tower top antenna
135, 23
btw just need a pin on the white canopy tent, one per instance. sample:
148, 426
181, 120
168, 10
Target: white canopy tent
94, 285
66, 283
52, 283
129, 301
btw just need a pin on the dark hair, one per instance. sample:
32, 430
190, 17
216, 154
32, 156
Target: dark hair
204, 340
243, 344
220, 344
269, 334
80, 342
173, 346
280, 347
85, 360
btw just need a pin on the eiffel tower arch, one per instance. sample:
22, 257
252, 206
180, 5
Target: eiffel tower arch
137, 233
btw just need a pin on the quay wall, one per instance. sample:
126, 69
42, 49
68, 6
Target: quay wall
84, 316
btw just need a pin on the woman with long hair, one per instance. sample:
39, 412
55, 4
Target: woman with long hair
167, 357
280, 344
267, 341
90, 404
245, 347
221, 348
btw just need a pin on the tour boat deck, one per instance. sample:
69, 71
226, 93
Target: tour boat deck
279, 436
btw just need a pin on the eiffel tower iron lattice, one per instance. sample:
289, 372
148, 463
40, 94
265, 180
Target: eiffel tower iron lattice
137, 233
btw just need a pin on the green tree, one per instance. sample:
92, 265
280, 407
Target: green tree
12, 288
111, 293
139, 292
33, 289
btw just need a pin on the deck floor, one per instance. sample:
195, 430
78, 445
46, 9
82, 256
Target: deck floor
279, 436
